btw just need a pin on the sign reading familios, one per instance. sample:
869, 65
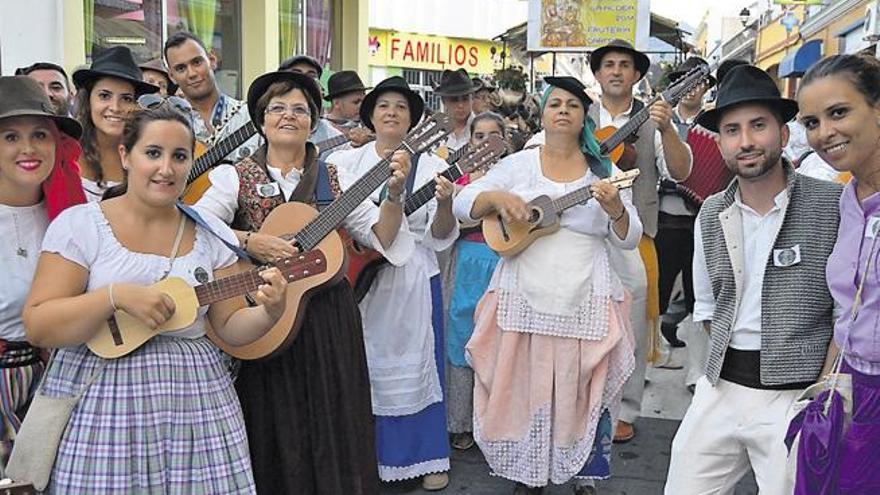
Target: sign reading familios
419, 51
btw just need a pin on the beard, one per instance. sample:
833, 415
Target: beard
755, 170
61, 107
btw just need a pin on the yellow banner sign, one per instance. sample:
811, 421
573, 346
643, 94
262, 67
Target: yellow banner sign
419, 51
584, 25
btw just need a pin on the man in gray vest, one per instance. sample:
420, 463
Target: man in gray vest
759, 281
657, 150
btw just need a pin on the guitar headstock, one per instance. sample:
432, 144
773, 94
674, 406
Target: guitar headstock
483, 155
686, 84
624, 180
302, 265
428, 132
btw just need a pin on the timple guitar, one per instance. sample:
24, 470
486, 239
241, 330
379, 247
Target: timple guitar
198, 181
613, 140
364, 264
308, 229
511, 238
123, 333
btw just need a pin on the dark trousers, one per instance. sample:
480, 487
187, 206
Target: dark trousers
675, 254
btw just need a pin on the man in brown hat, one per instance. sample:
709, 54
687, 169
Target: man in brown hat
659, 150
52, 78
216, 115
345, 92
156, 74
456, 92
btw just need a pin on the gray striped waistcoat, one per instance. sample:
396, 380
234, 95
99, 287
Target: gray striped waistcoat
796, 307
645, 197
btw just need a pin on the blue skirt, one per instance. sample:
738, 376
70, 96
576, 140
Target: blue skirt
474, 265
416, 445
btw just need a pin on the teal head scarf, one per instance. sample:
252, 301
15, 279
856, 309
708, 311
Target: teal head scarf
600, 165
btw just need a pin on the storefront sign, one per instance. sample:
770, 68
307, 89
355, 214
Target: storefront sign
418, 51
584, 25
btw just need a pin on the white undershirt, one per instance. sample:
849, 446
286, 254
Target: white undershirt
23, 229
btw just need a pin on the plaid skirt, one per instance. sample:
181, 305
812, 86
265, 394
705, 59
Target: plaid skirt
164, 419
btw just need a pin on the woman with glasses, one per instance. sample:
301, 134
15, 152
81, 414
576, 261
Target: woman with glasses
38, 179
475, 262
402, 311
106, 93
307, 410
164, 418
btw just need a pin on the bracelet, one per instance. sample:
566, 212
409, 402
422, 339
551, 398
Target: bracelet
112, 301
247, 236
622, 213
398, 200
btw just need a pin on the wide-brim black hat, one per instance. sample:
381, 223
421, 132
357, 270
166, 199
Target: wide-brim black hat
296, 59
573, 86
455, 83
395, 84
747, 84
343, 83
21, 96
258, 88
643, 63
118, 62
687, 66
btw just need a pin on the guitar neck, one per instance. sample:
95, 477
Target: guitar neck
228, 287
628, 129
333, 215
424, 194
329, 144
217, 152
573, 198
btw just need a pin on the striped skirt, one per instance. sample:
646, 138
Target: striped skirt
20, 371
164, 419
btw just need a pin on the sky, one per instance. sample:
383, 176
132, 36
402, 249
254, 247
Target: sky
691, 11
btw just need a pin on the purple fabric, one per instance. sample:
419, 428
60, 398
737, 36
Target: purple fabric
844, 272
831, 461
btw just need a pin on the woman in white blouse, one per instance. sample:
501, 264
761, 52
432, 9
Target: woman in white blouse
38, 152
164, 418
307, 410
552, 347
402, 310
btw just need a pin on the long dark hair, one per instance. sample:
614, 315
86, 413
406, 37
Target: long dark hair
134, 128
862, 70
91, 157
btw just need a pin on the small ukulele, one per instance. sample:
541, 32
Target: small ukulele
511, 238
123, 333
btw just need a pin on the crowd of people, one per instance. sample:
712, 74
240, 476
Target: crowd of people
538, 358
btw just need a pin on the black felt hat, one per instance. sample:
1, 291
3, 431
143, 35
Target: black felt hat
395, 84
342, 83
305, 59
258, 88
21, 96
118, 62
641, 60
687, 66
573, 86
455, 83
747, 84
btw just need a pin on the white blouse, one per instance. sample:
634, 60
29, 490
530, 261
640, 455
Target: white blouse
221, 200
23, 228
82, 235
93, 191
521, 174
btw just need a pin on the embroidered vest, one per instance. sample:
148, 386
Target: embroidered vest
796, 306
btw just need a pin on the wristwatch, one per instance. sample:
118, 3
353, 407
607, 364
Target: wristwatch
398, 200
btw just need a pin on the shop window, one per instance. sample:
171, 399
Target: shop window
142, 25
316, 39
424, 81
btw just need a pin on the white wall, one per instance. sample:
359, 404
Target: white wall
30, 31
480, 19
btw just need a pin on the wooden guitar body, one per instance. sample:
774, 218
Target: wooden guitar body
284, 220
511, 238
107, 341
623, 155
197, 187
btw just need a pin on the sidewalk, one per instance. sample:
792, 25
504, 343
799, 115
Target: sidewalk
639, 467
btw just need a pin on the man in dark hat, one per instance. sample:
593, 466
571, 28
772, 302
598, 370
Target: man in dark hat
52, 78
215, 115
675, 223
760, 253
659, 150
456, 92
345, 92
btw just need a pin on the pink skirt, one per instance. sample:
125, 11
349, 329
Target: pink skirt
538, 398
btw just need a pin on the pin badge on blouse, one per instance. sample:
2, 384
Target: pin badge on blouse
268, 190
201, 275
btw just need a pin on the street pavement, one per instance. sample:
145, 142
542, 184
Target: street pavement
638, 467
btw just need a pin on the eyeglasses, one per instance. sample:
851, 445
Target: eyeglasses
280, 109
153, 101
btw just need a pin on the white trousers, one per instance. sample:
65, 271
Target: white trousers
728, 428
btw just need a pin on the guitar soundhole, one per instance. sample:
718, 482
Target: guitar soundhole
535, 215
